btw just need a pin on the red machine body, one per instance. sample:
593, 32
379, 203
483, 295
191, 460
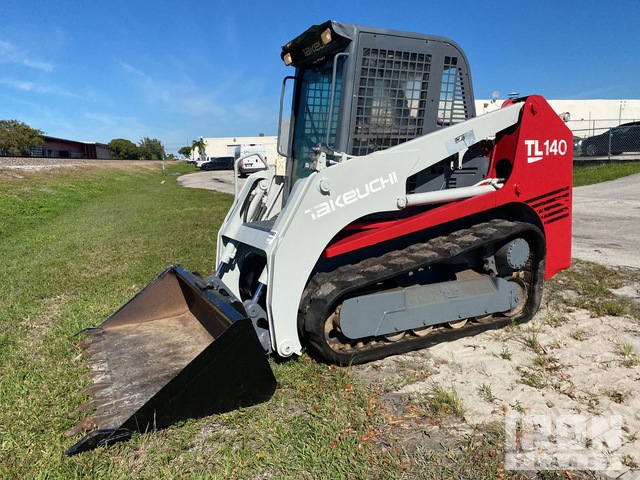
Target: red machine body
538, 157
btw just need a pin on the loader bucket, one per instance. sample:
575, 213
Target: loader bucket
179, 349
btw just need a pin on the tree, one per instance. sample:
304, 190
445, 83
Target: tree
185, 152
123, 149
200, 146
18, 138
151, 149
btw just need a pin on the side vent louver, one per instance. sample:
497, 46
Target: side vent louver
552, 206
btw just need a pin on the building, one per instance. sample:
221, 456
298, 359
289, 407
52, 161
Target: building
585, 118
225, 147
62, 148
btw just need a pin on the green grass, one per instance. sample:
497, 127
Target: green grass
505, 353
593, 284
484, 391
629, 357
440, 403
589, 175
78, 243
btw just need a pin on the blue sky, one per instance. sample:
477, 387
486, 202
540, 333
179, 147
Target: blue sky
177, 70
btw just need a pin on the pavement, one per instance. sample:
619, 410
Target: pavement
606, 222
606, 216
219, 181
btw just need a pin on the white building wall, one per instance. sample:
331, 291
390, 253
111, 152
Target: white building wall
587, 117
225, 147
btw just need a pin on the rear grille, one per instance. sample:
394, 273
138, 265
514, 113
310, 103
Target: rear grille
391, 98
552, 206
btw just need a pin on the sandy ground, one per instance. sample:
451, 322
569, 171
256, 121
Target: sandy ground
576, 394
219, 181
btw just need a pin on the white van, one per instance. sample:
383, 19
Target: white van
254, 162
201, 161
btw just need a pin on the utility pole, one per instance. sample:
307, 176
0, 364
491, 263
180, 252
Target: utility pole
623, 104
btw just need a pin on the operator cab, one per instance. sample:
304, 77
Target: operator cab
360, 89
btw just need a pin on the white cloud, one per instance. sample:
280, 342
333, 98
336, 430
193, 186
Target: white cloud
18, 84
32, 87
10, 53
152, 89
183, 96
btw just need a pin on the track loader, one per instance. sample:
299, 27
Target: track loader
402, 220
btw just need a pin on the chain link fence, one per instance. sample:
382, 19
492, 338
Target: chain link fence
606, 138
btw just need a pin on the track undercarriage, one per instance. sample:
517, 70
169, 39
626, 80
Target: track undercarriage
444, 265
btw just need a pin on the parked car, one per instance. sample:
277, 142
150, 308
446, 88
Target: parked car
254, 161
623, 138
218, 163
251, 165
577, 146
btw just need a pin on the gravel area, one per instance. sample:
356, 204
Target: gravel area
47, 163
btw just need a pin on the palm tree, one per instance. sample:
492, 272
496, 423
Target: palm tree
200, 146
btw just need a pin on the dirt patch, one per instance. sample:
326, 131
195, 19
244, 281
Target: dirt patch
38, 328
567, 363
11, 167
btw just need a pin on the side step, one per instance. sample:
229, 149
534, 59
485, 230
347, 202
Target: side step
179, 349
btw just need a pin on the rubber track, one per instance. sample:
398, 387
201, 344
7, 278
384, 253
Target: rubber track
324, 290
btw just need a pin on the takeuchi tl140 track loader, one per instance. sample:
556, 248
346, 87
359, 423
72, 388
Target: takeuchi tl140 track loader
403, 220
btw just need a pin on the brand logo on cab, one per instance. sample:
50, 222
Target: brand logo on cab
352, 196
